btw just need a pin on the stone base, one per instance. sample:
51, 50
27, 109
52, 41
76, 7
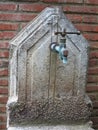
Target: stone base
86, 126
60, 110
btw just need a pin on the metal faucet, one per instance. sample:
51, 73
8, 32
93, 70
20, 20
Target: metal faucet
61, 47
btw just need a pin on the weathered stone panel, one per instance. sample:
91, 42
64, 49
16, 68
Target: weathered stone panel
45, 90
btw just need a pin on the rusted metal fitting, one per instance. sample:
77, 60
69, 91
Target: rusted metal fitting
63, 33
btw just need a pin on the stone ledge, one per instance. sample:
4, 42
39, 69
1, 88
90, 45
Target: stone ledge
67, 126
58, 127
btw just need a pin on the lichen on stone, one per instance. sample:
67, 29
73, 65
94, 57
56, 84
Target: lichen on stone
58, 110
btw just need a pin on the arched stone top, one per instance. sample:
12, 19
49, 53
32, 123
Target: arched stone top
42, 21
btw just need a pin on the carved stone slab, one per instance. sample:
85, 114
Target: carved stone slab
41, 88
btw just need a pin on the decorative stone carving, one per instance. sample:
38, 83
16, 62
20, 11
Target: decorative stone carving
43, 90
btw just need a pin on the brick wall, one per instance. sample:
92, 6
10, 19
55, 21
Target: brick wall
15, 14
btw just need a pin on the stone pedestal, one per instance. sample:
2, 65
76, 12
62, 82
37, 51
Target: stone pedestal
45, 93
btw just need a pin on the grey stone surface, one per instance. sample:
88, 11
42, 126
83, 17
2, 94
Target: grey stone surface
38, 71
82, 126
41, 87
61, 110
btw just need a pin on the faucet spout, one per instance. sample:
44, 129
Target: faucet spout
61, 50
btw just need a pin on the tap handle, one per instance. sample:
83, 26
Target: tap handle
65, 53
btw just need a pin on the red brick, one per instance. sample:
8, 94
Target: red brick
3, 82
7, 35
94, 45
52, 1
90, 19
3, 100
81, 9
4, 54
74, 1
8, 7
92, 88
92, 79
3, 63
8, 27
91, 36
93, 62
16, 17
4, 45
77, 18
95, 2
3, 126
93, 70
2, 109
94, 54
3, 91
2, 118
4, 72
32, 7
87, 27
63, 1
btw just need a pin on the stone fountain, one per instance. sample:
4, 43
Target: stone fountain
44, 92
